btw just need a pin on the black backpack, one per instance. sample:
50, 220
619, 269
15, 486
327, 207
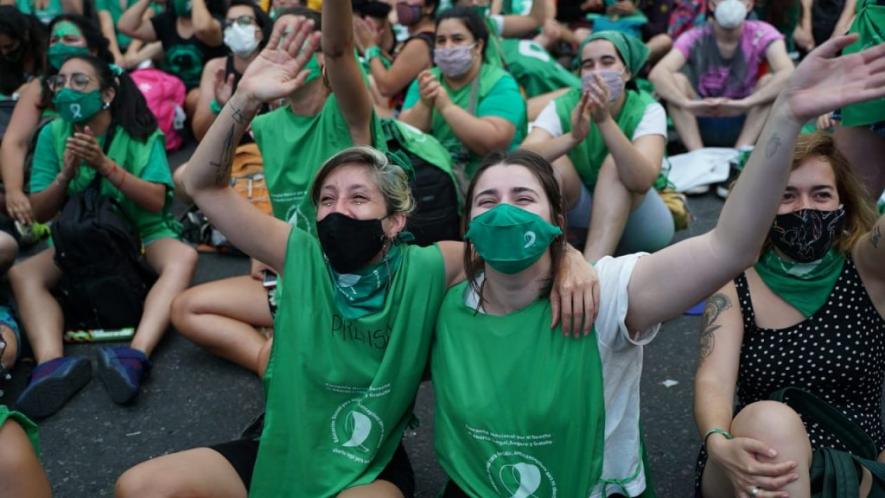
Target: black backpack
436, 216
104, 277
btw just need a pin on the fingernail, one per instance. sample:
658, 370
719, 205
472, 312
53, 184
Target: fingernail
772, 453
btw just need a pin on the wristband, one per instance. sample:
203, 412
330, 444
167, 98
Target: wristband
215, 107
372, 52
717, 430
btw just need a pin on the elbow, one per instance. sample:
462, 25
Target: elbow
127, 28
386, 89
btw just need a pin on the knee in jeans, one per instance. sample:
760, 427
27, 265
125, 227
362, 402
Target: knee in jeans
773, 422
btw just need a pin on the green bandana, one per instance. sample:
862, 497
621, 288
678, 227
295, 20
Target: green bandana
805, 286
313, 68
633, 52
75, 106
362, 293
59, 53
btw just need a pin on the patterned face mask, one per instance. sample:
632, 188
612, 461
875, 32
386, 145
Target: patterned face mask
806, 235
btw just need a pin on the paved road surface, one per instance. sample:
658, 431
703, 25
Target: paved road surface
194, 399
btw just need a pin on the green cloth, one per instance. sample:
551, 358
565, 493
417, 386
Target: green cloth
516, 403
588, 155
633, 52
53, 9
340, 392
116, 10
534, 69
29, 427
294, 148
362, 292
805, 286
869, 23
497, 96
494, 52
145, 160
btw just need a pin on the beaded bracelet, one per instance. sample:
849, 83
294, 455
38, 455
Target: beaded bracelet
717, 430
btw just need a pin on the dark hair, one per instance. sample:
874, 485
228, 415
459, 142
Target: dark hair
472, 21
31, 34
265, 24
543, 171
434, 4
129, 109
95, 42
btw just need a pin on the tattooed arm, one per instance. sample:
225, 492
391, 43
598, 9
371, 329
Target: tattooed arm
666, 283
869, 255
275, 73
719, 350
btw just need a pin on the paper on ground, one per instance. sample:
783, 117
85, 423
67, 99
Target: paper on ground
700, 167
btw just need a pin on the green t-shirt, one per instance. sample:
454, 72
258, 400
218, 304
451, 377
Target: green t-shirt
588, 155
341, 391
53, 9
534, 69
293, 148
518, 406
869, 24
29, 427
116, 10
497, 96
146, 160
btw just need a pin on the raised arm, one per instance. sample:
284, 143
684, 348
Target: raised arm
667, 282
134, 23
869, 254
207, 29
274, 74
344, 74
412, 59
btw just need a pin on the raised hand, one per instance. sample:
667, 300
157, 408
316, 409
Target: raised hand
824, 82
581, 118
279, 68
598, 97
85, 146
428, 88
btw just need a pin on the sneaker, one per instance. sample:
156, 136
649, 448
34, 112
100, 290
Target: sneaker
122, 370
52, 384
699, 190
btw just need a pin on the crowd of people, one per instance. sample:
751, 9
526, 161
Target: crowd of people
327, 136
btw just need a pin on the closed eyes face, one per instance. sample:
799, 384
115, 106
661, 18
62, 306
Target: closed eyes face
68, 33
510, 184
600, 54
811, 186
351, 190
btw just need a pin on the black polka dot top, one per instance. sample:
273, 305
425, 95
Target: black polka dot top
838, 354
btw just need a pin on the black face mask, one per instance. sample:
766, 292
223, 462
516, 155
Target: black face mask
348, 243
806, 235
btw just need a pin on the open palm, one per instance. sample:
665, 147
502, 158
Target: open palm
824, 82
279, 68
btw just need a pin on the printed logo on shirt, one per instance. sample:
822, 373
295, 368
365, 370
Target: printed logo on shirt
357, 431
519, 475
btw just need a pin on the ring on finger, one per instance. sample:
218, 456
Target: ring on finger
754, 491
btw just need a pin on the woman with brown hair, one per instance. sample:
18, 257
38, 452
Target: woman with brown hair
809, 314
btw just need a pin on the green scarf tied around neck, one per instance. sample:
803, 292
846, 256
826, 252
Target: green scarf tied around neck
633, 52
362, 293
805, 286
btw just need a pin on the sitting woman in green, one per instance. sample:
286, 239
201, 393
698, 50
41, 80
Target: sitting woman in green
20, 469
521, 412
96, 105
47, 10
606, 142
471, 106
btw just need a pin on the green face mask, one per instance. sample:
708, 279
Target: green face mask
182, 8
76, 107
511, 239
58, 53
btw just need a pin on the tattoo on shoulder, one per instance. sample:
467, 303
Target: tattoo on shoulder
715, 306
876, 236
773, 145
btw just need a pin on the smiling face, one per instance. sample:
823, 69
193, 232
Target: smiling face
601, 54
351, 190
811, 186
510, 184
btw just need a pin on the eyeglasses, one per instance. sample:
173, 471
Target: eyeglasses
79, 81
241, 21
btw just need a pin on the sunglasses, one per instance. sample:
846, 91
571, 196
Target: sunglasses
240, 21
79, 81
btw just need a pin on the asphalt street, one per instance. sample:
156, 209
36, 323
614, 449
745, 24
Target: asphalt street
194, 399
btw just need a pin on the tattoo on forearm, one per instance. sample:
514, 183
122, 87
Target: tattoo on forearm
876, 236
222, 167
773, 145
715, 306
237, 114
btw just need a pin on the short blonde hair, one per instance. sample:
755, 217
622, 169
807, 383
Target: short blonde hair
391, 180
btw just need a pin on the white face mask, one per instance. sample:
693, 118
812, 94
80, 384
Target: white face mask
730, 13
240, 40
612, 78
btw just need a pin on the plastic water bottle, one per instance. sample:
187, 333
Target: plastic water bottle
99, 335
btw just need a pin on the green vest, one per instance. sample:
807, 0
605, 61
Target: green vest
519, 407
869, 23
488, 76
294, 148
133, 156
340, 392
534, 69
588, 155
27, 425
